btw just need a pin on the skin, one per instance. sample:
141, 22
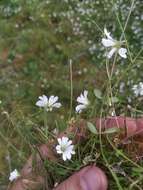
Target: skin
88, 178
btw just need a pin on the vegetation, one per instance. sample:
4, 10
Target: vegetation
54, 47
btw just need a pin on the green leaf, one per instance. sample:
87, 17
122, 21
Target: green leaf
97, 93
92, 128
137, 170
111, 130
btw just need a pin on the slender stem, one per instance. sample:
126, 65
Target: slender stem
71, 88
9, 161
105, 159
45, 122
127, 20
125, 26
93, 109
109, 80
139, 53
107, 70
113, 65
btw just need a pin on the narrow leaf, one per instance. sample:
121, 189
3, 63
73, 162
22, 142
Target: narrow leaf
111, 130
98, 93
92, 128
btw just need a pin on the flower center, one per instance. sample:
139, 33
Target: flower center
63, 148
118, 44
49, 107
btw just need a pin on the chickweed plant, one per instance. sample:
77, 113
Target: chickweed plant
63, 61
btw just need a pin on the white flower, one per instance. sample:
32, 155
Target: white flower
83, 102
14, 175
138, 89
48, 103
65, 148
113, 113
121, 87
114, 44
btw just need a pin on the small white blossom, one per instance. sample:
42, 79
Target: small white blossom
48, 103
83, 102
122, 86
14, 175
114, 44
65, 148
138, 89
113, 113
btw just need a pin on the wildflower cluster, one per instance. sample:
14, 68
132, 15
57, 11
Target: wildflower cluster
65, 146
49, 103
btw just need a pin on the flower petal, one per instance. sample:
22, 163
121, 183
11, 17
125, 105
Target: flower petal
82, 99
68, 155
64, 140
58, 147
52, 100
57, 105
85, 93
122, 52
111, 52
42, 102
64, 157
69, 143
79, 108
108, 42
14, 175
107, 34
59, 141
